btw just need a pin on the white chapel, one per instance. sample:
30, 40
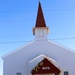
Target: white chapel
41, 56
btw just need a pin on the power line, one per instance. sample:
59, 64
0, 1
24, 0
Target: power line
26, 10
32, 35
34, 19
58, 6
63, 38
11, 42
16, 36
33, 7
36, 7
24, 35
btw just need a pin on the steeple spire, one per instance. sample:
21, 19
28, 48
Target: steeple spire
40, 22
40, 30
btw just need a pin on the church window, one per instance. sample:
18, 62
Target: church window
19, 73
66, 73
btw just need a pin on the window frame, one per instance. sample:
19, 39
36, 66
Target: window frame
66, 73
18, 73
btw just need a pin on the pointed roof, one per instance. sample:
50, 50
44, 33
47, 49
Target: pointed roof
45, 67
40, 22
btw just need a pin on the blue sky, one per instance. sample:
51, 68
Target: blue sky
18, 17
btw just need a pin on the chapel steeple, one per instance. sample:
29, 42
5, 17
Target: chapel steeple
40, 30
40, 21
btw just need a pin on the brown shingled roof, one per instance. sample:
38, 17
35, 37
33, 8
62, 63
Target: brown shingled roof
40, 22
